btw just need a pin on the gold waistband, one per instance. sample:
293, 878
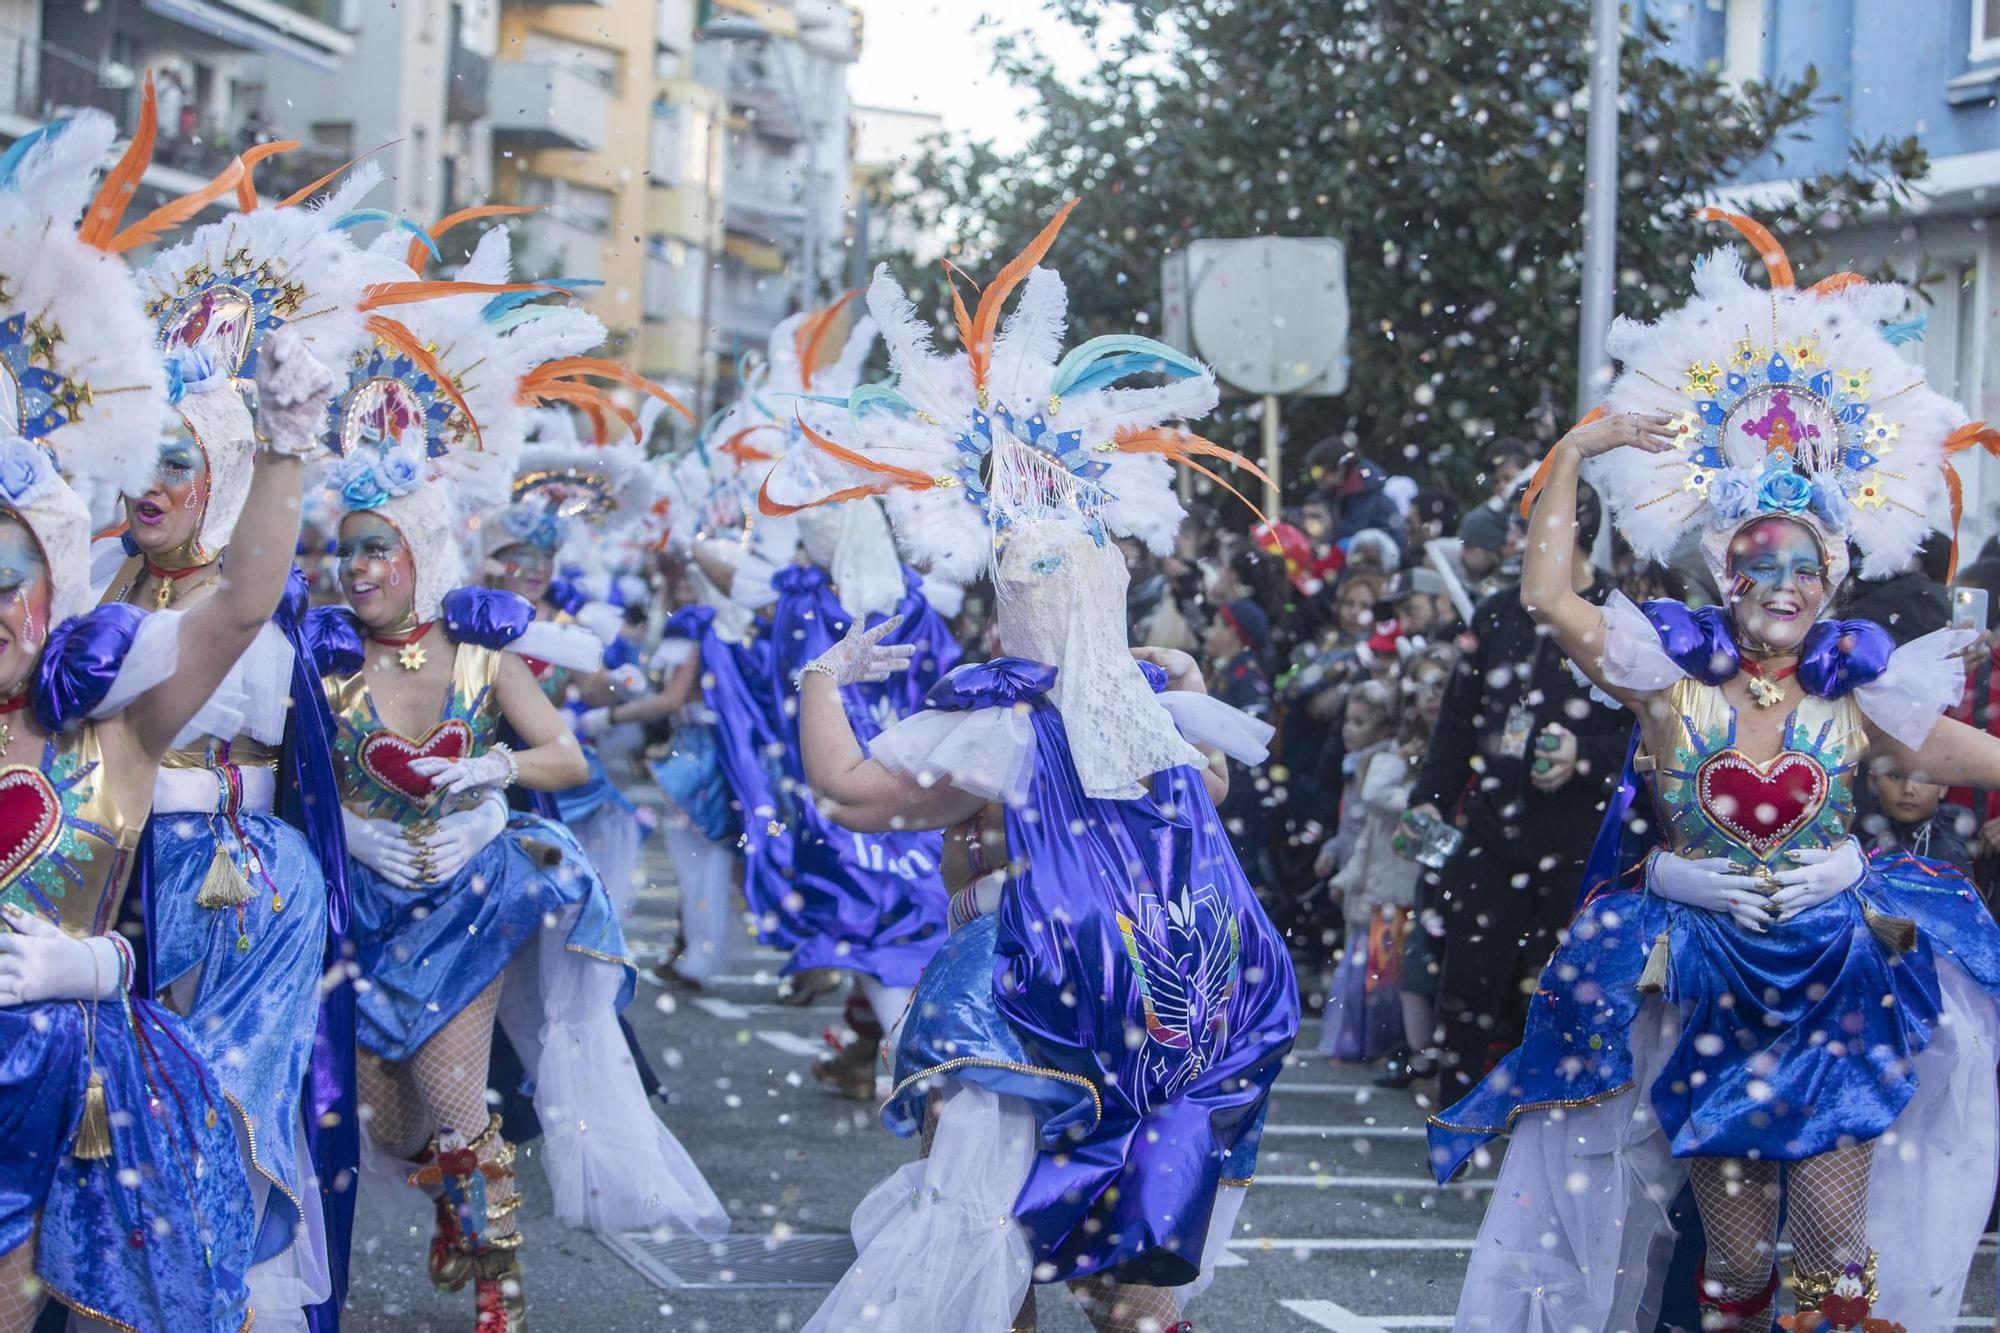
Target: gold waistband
243, 752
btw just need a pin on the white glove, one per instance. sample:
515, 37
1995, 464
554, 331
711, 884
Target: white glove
380, 845
460, 837
1713, 884
861, 658
1821, 873
629, 678
456, 777
594, 723
293, 387
39, 962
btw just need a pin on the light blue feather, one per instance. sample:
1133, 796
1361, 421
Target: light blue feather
502, 304
361, 217
884, 396
11, 162
1908, 330
1105, 361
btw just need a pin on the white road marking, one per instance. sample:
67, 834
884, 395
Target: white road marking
793, 1044
1345, 1131
1338, 1318
1326, 1182
1345, 1244
715, 1007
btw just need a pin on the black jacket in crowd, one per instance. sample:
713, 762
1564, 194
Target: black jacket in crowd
1514, 662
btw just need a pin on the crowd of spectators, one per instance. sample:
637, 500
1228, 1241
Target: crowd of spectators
1439, 773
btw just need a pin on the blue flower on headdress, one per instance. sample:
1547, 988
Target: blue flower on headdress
1783, 491
1732, 494
1830, 504
400, 471
191, 370
24, 469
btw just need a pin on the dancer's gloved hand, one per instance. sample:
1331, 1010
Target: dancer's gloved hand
460, 837
293, 386
456, 777
1713, 884
1820, 873
380, 845
593, 723
862, 657
39, 962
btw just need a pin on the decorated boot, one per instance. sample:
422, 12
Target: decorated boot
476, 1181
1725, 1316
1837, 1301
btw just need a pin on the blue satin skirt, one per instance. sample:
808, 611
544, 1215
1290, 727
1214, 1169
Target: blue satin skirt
1792, 1042
426, 953
596, 793
166, 1254
255, 1009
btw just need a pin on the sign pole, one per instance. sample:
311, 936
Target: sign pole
1271, 487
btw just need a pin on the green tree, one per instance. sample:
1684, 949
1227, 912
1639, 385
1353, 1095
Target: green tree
1443, 142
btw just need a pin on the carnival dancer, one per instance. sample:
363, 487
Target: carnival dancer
240, 882
126, 1200
1756, 1005
459, 908
1093, 1045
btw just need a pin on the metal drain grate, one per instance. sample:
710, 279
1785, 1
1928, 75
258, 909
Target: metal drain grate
736, 1263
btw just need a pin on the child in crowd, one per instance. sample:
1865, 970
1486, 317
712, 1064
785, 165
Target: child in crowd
1912, 816
1423, 699
1376, 886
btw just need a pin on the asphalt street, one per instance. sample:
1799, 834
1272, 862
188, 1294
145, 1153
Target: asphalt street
1342, 1231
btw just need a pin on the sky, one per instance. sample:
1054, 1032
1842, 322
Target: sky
927, 55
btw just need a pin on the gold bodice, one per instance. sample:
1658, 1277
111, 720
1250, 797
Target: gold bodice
66, 847
469, 704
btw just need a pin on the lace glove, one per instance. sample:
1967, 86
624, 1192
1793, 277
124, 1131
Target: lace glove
39, 962
861, 658
628, 678
1821, 873
460, 837
380, 845
293, 387
458, 777
1713, 884
593, 723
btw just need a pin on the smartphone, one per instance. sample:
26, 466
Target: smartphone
1969, 608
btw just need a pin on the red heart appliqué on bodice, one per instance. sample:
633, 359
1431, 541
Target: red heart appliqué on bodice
1760, 807
386, 757
30, 819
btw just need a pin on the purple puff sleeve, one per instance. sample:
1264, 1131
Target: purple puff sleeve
80, 663
333, 636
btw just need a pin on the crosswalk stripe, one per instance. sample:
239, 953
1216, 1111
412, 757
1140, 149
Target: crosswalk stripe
1327, 1182
1338, 1318
1346, 1131
791, 1043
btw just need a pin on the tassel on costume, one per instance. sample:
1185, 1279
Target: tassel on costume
223, 885
93, 1133
1898, 934
1653, 980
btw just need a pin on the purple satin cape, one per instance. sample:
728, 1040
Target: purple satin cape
865, 902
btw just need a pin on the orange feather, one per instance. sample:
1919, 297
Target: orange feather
598, 367
1761, 240
1541, 477
107, 210
398, 336
809, 339
246, 187
419, 254
908, 478
380, 294
1972, 435
952, 273
299, 196
773, 509
735, 447
176, 211
1181, 448
592, 400
986, 323
1837, 282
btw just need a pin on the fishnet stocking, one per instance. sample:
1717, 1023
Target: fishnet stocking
1829, 1210
442, 1086
1122, 1307
21, 1293
1739, 1212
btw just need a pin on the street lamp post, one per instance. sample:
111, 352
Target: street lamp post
752, 33
1600, 207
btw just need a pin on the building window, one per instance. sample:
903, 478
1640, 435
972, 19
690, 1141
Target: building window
1985, 30
1742, 41
581, 206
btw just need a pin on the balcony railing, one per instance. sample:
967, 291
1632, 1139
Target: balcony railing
540, 103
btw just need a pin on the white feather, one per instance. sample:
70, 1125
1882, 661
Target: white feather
1030, 343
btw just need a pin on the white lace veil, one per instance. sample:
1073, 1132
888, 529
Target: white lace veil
1061, 600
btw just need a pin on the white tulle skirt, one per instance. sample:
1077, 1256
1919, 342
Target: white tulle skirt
610, 838
1577, 1234
612, 1165
706, 871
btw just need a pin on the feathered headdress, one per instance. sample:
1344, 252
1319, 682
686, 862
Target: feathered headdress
565, 490
217, 295
1010, 428
1786, 402
80, 380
